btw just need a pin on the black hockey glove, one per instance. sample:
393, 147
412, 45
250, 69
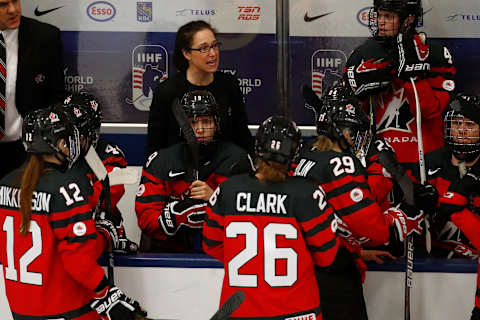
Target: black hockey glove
412, 56
189, 212
112, 304
369, 69
112, 228
458, 195
426, 196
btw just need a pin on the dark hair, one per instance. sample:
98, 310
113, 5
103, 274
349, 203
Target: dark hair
183, 41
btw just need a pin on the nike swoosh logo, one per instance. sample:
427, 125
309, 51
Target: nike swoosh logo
310, 19
174, 174
431, 172
39, 13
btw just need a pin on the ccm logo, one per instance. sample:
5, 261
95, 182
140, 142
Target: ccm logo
101, 11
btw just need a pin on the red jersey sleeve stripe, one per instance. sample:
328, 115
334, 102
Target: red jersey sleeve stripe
115, 162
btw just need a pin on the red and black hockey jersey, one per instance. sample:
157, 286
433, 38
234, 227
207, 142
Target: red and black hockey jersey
395, 107
52, 271
344, 180
448, 239
167, 177
112, 157
269, 236
441, 173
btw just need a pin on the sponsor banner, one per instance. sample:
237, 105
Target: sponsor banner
319, 62
229, 16
123, 69
346, 18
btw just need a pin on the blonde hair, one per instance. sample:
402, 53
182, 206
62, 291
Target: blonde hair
323, 143
272, 171
34, 169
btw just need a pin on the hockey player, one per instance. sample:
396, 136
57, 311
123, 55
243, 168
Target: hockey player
270, 230
48, 238
87, 114
171, 200
330, 161
455, 171
382, 67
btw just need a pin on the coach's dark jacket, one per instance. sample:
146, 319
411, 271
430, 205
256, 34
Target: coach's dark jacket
40, 65
163, 130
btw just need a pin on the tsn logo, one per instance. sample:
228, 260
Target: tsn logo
417, 67
249, 13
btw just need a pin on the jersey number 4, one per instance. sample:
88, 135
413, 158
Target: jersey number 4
271, 253
27, 258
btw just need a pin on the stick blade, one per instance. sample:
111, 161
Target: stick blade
229, 306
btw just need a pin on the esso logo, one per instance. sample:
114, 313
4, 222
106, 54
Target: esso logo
362, 16
101, 11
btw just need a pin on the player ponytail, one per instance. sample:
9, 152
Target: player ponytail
29, 179
323, 143
271, 171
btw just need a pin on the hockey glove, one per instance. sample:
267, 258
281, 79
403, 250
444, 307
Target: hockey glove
426, 196
405, 223
189, 212
402, 224
475, 314
458, 195
112, 304
412, 56
369, 69
112, 228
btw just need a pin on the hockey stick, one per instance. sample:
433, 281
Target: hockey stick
188, 133
229, 306
119, 176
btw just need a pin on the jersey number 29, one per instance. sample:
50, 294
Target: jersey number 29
271, 253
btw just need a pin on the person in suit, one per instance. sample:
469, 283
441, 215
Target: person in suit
196, 57
34, 76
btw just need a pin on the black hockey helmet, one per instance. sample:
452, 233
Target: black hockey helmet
463, 116
87, 113
201, 103
404, 9
277, 139
44, 128
342, 110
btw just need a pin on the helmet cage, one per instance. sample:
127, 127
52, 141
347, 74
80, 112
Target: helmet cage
278, 140
202, 103
404, 9
461, 135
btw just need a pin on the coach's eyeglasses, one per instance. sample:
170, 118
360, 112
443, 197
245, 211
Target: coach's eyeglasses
206, 48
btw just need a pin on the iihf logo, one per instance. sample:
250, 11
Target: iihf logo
327, 69
149, 68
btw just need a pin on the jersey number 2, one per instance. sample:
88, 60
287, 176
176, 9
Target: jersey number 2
271, 253
27, 258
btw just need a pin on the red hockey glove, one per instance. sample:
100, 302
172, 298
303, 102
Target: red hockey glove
189, 212
112, 304
401, 226
412, 56
405, 223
